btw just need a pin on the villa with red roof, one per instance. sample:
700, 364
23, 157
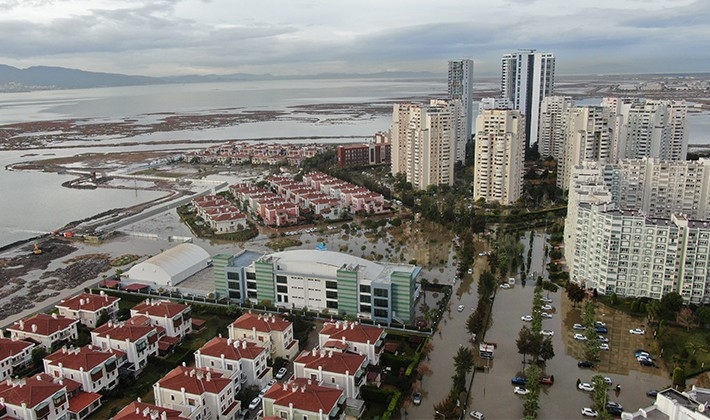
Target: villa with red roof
274, 333
81, 404
94, 369
208, 394
346, 371
353, 337
46, 330
138, 410
240, 360
14, 355
88, 308
137, 341
300, 399
175, 317
34, 398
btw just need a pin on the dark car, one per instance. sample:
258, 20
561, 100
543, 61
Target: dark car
601, 330
652, 393
547, 380
647, 362
585, 364
417, 398
519, 380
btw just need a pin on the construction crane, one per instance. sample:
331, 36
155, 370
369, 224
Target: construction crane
37, 250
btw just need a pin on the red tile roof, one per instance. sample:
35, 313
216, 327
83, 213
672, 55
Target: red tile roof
336, 344
88, 302
304, 396
124, 330
331, 361
159, 308
82, 400
135, 287
87, 357
45, 324
265, 323
231, 349
352, 331
140, 411
31, 391
10, 348
195, 381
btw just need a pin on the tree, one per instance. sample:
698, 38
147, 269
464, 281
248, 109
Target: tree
463, 361
600, 397
679, 377
526, 341
575, 293
703, 315
550, 287
686, 318
547, 351
653, 309
531, 403
671, 303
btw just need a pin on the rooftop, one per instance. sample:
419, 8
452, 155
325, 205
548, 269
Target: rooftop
159, 308
43, 324
195, 381
352, 332
86, 357
262, 323
88, 302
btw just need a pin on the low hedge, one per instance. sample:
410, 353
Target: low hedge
375, 394
392, 407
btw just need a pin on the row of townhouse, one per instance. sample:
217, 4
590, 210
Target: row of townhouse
219, 213
273, 210
239, 153
307, 197
353, 197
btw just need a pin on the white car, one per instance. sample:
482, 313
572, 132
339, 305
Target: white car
586, 411
603, 339
476, 415
578, 327
526, 318
603, 346
520, 390
608, 381
546, 307
584, 386
255, 403
599, 324
548, 333
281, 373
470, 271
460, 308
637, 331
546, 300
580, 337
505, 286
546, 315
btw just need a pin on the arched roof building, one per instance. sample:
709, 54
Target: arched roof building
170, 267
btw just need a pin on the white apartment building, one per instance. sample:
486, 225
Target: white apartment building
460, 87
429, 142
552, 134
588, 137
346, 371
14, 355
175, 317
649, 128
88, 307
628, 233
138, 410
240, 360
96, 370
137, 341
202, 393
301, 399
526, 78
273, 333
499, 156
353, 337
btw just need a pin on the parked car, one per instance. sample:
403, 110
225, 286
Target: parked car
652, 393
417, 398
547, 333
603, 339
505, 286
526, 318
546, 300
546, 315
255, 403
584, 386
470, 271
476, 415
647, 362
281, 373
599, 324
585, 364
547, 307
519, 380
588, 412
608, 381
637, 331
520, 390
271, 383
603, 346
547, 380
578, 327
460, 308
264, 390
615, 409
601, 330
580, 337
641, 353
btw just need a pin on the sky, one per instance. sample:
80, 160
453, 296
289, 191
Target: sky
299, 37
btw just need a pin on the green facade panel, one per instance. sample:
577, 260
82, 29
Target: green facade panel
265, 283
347, 292
403, 286
219, 264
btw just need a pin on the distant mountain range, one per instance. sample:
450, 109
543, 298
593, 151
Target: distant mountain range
45, 77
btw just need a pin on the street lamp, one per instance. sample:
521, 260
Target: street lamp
441, 414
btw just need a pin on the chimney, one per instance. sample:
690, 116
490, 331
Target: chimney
34, 328
22, 324
54, 315
81, 302
244, 344
209, 376
313, 352
352, 325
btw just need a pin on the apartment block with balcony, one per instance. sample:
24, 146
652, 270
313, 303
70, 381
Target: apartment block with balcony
34, 398
14, 355
96, 370
88, 308
137, 341
333, 368
174, 317
273, 333
301, 398
353, 337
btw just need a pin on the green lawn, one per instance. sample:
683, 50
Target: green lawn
691, 349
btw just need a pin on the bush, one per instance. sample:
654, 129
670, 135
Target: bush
374, 394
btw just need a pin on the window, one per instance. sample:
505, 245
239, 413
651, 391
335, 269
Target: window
234, 285
381, 292
232, 275
364, 289
282, 289
331, 304
251, 276
331, 284
382, 303
281, 279
364, 298
331, 295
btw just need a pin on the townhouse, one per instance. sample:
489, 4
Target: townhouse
346, 371
48, 331
138, 410
14, 355
273, 333
96, 370
300, 399
240, 360
203, 393
89, 308
137, 341
174, 317
34, 398
353, 337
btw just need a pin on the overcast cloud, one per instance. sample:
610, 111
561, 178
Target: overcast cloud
174, 37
